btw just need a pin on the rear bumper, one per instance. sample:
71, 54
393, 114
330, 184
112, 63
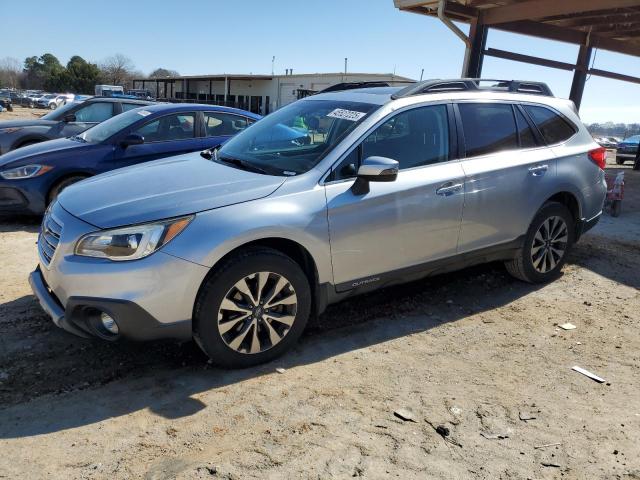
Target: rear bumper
586, 225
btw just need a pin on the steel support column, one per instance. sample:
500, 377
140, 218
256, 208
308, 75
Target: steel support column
580, 74
478, 36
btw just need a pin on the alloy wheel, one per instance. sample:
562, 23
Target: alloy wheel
257, 312
549, 244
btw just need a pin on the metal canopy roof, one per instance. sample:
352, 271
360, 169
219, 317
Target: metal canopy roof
612, 25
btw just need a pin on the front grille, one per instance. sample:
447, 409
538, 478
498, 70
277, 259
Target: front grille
49, 238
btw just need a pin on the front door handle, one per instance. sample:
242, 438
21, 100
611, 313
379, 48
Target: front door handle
539, 170
449, 188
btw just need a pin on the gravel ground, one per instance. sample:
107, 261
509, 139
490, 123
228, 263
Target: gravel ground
475, 358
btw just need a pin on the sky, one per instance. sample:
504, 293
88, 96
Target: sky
241, 36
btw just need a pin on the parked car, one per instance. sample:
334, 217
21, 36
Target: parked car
627, 149
605, 142
71, 119
6, 103
140, 93
31, 99
33, 176
239, 248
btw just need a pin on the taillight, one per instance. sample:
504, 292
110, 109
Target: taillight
599, 157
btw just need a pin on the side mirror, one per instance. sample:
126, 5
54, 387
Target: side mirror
374, 169
132, 139
69, 118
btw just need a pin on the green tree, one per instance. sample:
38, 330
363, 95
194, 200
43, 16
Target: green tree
42, 72
81, 76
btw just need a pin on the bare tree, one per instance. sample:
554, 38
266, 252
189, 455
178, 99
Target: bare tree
117, 70
10, 72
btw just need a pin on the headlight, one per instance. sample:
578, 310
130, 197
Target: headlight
131, 243
26, 171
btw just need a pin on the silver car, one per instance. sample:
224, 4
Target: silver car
331, 196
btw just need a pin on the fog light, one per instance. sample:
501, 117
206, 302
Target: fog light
109, 323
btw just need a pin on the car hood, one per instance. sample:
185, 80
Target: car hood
41, 148
36, 122
161, 189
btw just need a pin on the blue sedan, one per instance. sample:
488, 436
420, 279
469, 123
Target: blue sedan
33, 176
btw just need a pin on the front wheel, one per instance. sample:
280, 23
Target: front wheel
252, 309
619, 161
60, 186
546, 245
53, 106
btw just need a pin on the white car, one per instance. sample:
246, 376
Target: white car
53, 101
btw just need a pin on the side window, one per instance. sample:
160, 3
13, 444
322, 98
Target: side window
177, 126
130, 106
552, 126
414, 138
95, 112
347, 168
488, 128
527, 139
223, 124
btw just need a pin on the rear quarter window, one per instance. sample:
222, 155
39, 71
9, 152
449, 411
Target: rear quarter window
553, 127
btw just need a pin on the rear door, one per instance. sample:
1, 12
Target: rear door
508, 173
400, 224
164, 136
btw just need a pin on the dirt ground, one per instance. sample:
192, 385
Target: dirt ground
475, 352
21, 113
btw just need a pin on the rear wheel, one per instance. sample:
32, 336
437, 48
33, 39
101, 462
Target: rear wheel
53, 106
60, 186
252, 309
546, 245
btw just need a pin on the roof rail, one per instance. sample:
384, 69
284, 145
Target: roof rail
353, 85
473, 84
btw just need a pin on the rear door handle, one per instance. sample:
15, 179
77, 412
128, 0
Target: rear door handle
539, 170
449, 188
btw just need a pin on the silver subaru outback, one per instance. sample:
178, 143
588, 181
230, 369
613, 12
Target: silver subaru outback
334, 195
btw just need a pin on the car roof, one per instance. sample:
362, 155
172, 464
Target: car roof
198, 107
383, 95
120, 99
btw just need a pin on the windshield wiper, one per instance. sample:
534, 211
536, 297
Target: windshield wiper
242, 164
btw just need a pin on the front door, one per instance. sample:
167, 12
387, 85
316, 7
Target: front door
169, 135
405, 223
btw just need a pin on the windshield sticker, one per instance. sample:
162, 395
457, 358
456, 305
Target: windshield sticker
144, 113
350, 115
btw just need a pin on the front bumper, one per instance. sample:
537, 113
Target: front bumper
82, 313
21, 199
150, 298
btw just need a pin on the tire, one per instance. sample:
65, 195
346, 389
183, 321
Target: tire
616, 208
227, 335
620, 161
530, 265
60, 186
53, 106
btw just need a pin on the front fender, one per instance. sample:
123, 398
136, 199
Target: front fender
300, 217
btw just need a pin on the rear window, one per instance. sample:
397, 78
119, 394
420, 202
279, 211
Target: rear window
488, 128
553, 127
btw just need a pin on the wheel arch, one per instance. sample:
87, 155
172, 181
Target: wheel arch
63, 177
292, 249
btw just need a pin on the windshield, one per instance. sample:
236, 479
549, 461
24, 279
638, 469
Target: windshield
59, 112
634, 139
110, 127
295, 138
49, 96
